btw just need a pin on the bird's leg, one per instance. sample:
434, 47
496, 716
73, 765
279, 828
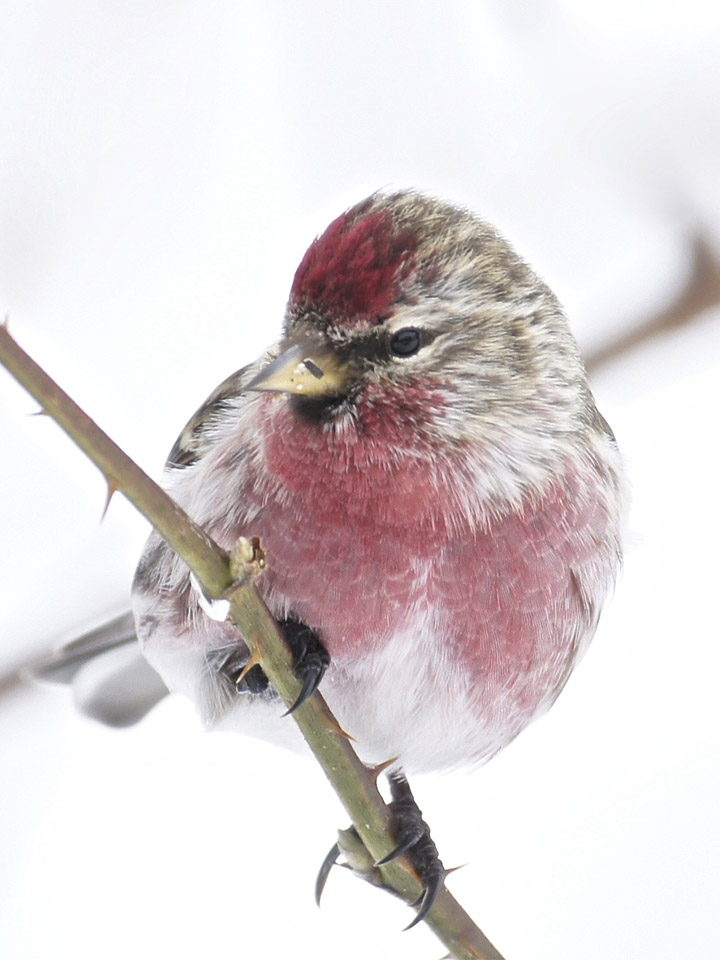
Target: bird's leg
311, 660
413, 838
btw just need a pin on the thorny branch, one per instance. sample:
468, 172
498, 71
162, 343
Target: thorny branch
354, 783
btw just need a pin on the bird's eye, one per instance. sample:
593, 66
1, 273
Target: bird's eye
406, 342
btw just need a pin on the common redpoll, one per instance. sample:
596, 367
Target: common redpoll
439, 498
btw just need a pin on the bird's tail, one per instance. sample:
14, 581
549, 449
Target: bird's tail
112, 682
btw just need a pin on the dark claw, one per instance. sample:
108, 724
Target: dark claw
324, 871
311, 658
311, 675
426, 901
414, 839
403, 847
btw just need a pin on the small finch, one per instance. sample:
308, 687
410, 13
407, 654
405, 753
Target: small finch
439, 498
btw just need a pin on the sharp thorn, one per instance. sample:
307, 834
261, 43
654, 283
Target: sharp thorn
336, 728
111, 491
39, 413
254, 661
381, 767
470, 949
324, 872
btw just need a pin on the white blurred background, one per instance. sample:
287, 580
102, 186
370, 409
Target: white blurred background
163, 166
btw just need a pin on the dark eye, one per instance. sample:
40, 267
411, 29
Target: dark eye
406, 342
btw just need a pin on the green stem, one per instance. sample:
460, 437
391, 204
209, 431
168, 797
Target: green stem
352, 781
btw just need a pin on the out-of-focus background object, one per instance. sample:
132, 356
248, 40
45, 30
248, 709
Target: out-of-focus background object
163, 167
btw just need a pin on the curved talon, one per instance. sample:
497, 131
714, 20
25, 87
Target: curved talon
426, 901
311, 658
313, 674
401, 848
324, 871
415, 840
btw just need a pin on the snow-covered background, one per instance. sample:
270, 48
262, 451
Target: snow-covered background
163, 166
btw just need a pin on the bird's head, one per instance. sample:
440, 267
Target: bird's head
408, 301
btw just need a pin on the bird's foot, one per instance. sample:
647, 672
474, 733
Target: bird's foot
311, 660
413, 838
310, 656
357, 858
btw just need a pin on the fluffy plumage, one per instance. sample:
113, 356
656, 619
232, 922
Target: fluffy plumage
438, 496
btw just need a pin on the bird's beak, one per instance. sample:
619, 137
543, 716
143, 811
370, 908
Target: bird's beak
307, 367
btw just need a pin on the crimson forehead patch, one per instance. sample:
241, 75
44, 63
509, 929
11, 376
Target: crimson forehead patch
355, 267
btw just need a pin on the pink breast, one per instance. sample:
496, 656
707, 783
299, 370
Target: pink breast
359, 546
347, 534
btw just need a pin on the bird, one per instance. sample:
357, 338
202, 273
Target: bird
441, 503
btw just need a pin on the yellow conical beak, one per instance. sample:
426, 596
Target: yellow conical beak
309, 368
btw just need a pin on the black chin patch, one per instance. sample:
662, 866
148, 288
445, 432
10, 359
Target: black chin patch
317, 409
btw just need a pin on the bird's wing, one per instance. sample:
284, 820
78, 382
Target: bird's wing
192, 443
112, 682
62, 665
